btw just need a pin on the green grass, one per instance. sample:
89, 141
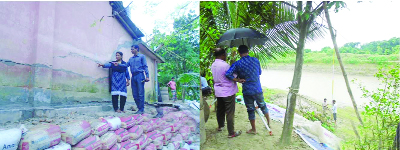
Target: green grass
347, 58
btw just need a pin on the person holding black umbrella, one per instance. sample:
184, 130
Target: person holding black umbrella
248, 71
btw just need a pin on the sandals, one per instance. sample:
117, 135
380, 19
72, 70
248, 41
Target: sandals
237, 133
251, 132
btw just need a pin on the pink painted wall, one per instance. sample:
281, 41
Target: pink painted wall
54, 48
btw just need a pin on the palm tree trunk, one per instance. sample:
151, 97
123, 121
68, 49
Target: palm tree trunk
291, 99
341, 64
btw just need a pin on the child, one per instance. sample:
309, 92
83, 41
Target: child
172, 85
334, 110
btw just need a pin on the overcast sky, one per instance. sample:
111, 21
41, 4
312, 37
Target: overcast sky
146, 14
362, 22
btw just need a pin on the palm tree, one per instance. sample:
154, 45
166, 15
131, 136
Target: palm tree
289, 25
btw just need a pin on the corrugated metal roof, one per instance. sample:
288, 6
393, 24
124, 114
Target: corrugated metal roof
122, 17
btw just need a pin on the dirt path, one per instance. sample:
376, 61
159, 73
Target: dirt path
263, 141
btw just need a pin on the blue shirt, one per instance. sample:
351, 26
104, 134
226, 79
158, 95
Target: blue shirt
247, 68
137, 64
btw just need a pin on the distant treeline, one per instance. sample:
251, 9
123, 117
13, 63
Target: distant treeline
385, 47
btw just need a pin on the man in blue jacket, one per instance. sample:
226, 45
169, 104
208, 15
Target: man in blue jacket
138, 67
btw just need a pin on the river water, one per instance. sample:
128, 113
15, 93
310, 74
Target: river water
319, 85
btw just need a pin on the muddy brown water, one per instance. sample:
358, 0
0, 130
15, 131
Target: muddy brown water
318, 85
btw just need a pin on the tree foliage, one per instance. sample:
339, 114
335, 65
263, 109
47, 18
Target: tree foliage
180, 49
385, 47
275, 19
381, 115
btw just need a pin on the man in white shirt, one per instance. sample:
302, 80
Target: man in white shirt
205, 89
334, 110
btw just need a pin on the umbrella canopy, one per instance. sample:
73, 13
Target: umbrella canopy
242, 36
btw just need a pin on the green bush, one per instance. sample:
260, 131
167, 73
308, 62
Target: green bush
380, 117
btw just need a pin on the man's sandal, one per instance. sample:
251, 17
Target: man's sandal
237, 133
251, 132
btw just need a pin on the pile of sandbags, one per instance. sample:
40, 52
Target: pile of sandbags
174, 130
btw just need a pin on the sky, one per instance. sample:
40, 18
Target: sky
147, 14
362, 22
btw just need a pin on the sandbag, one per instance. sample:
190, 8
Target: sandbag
99, 128
40, 137
90, 143
127, 122
174, 117
61, 146
162, 125
146, 117
9, 139
151, 146
194, 146
147, 127
108, 140
128, 145
185, 132
170, 146
185, 147
135, 132
176, 126
114, 122
156, 138
74, 132
176, 145
142, 142
122, 135
138, 118
177, 138
191, 123
116, 147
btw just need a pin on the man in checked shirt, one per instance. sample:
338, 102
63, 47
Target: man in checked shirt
248, 71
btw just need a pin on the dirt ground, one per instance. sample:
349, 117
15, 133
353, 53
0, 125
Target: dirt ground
263, 141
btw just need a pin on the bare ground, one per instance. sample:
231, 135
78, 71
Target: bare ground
263, 141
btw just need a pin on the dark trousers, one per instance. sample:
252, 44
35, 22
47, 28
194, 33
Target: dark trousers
251, 108
226, 105
138, 90
206, 91
121, 103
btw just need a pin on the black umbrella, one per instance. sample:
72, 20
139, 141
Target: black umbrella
242, 36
